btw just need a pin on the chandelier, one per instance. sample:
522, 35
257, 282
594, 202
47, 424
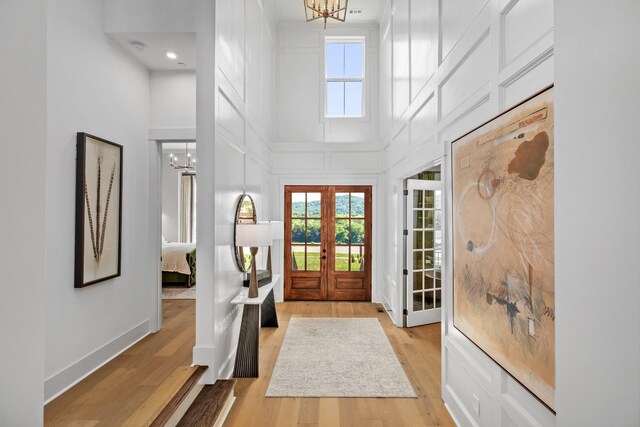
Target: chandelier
325, 9
189, 164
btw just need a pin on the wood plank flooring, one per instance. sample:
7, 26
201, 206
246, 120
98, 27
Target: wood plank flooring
418, 350
132, 389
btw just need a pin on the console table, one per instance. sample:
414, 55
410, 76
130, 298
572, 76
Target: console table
247, 354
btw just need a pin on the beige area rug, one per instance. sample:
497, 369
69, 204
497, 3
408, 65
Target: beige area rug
337, 357
178, 292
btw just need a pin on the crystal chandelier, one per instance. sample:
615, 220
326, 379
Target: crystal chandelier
325, 9
189, 164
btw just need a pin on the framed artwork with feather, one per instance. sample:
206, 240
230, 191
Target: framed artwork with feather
98, 241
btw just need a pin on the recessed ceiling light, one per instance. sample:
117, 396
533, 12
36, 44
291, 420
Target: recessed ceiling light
171, 55
137, 45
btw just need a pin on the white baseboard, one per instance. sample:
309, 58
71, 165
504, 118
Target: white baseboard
63, 380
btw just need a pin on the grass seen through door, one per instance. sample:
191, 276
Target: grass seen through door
342, 262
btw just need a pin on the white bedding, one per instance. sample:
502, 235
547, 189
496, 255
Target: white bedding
174, 257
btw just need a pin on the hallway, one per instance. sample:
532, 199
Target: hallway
133, 388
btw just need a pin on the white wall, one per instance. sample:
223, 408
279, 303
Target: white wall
597, 157
312, 150
150, 16
446, 67
234, 156
172, 100
306, 142
93, 87
22, 215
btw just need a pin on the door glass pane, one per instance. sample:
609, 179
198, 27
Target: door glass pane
428, 300
313, 205
418, 262
429, 259
357, 258
418, 219
297, 258
417, 199
438, 277
357, 205
429, 199
438, 299
428, 239
342, 205
313, 258
417, 280
438, 200
438, 239
342, 258
417, 301
428, 279
438, 219
429, 219
298, 205
342, 232
297, 230
313, 231
357, 231
417, 240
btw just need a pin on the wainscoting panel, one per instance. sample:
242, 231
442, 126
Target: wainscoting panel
491, 54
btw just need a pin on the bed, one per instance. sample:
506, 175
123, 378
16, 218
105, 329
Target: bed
179, 263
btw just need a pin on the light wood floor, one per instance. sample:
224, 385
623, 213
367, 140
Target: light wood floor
418, 350
134, 387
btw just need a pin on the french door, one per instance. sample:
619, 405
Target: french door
424, 252
328, 243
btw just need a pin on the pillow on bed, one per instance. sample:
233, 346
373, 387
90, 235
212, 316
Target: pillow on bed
164, 240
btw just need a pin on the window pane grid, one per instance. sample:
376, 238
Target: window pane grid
306, 225
344, 77
427, 254
349, 231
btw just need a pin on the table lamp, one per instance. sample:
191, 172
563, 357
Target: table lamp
253, 236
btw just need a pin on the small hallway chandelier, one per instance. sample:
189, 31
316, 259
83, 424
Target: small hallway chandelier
325, 9
188, 165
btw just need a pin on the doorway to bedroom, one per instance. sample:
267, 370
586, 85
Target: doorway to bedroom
178, 220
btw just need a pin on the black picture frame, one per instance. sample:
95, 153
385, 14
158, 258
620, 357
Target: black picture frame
91, 152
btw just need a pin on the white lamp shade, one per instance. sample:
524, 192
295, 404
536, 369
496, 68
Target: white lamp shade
253, 235
277, 230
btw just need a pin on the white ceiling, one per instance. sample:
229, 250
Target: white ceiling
153, 56
293, 11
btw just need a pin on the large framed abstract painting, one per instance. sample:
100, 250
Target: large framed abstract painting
503, 242
98, 210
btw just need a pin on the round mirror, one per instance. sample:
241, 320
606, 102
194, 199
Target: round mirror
245, 214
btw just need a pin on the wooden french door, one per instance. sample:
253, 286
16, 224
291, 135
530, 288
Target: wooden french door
327, 243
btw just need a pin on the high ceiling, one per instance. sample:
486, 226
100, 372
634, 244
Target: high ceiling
156, 46
358, 10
